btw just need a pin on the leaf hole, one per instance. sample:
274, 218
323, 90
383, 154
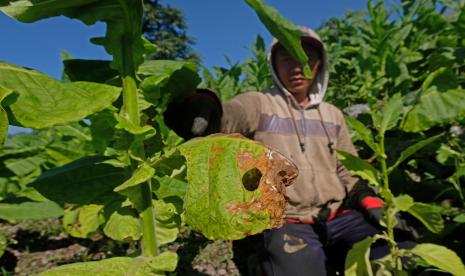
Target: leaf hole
251, 179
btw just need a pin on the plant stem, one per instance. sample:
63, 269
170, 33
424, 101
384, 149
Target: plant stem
149, 242
390, 220
382, 160
130, 111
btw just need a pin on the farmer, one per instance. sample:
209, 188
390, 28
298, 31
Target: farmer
328, 208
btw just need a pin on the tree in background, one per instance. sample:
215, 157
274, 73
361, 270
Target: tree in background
166, 27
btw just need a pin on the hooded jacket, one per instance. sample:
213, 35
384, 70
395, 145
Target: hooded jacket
308, 135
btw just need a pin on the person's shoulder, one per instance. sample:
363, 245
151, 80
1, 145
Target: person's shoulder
332, 113
330, 108
251, 95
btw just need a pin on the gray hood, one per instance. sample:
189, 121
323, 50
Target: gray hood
318, 89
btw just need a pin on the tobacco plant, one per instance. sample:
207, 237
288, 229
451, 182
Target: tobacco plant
132, 185
385, 117
25, 156
393, 48
251, 75
411, 51
114, 187
454, 152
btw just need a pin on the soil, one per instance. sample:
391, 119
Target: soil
34, 247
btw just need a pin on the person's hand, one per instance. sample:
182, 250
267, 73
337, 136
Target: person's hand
197, 115
373, 207
375, 214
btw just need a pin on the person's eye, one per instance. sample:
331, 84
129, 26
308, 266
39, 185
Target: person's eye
287, 58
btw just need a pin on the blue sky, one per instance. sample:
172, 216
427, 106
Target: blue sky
219, 28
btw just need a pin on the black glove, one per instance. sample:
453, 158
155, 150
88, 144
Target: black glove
401, 228
197, 115
375, 215
361, 197
364, 199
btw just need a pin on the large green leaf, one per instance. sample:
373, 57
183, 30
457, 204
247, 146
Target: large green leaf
108, 267
123, 18
400, 35
123, 123
4, 92
358, 259
24, 143
359, 167
444, 79
403, 202
31, 194
84, 181
103, 129
56, 102
74, 130
161, 77
30, 210
119, 266
167, 221
411, 150
364, 133
283, 30
435, 108
440, 257
170, 178
167, 186
30, 11
123, 225
235, 186
142, 174
391, 113
445, 153
24, 166
18, 149
166, 261
429, 215
83, 221
89, 70
131, 187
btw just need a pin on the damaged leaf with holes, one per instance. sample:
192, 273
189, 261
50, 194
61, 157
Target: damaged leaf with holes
236, 186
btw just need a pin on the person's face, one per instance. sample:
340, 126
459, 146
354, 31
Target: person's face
290, 71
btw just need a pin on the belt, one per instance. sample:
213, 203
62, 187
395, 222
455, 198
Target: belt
330, 217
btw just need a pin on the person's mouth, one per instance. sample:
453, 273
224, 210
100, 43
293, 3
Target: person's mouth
296, 80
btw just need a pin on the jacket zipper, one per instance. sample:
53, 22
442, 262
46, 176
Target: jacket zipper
302, 147
304, 131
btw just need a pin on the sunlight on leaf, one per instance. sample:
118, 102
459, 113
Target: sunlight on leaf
359, 167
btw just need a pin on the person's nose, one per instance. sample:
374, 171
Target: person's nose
295, 67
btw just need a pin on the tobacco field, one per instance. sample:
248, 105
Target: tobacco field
101, 186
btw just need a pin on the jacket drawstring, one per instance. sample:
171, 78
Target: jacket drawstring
330, 142
299, 138
301, 142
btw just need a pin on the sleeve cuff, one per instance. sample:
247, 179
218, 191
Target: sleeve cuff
370, 202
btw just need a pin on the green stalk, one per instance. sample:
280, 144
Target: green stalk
130, 111
457, 161
147, 218
390, 221
382, 160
